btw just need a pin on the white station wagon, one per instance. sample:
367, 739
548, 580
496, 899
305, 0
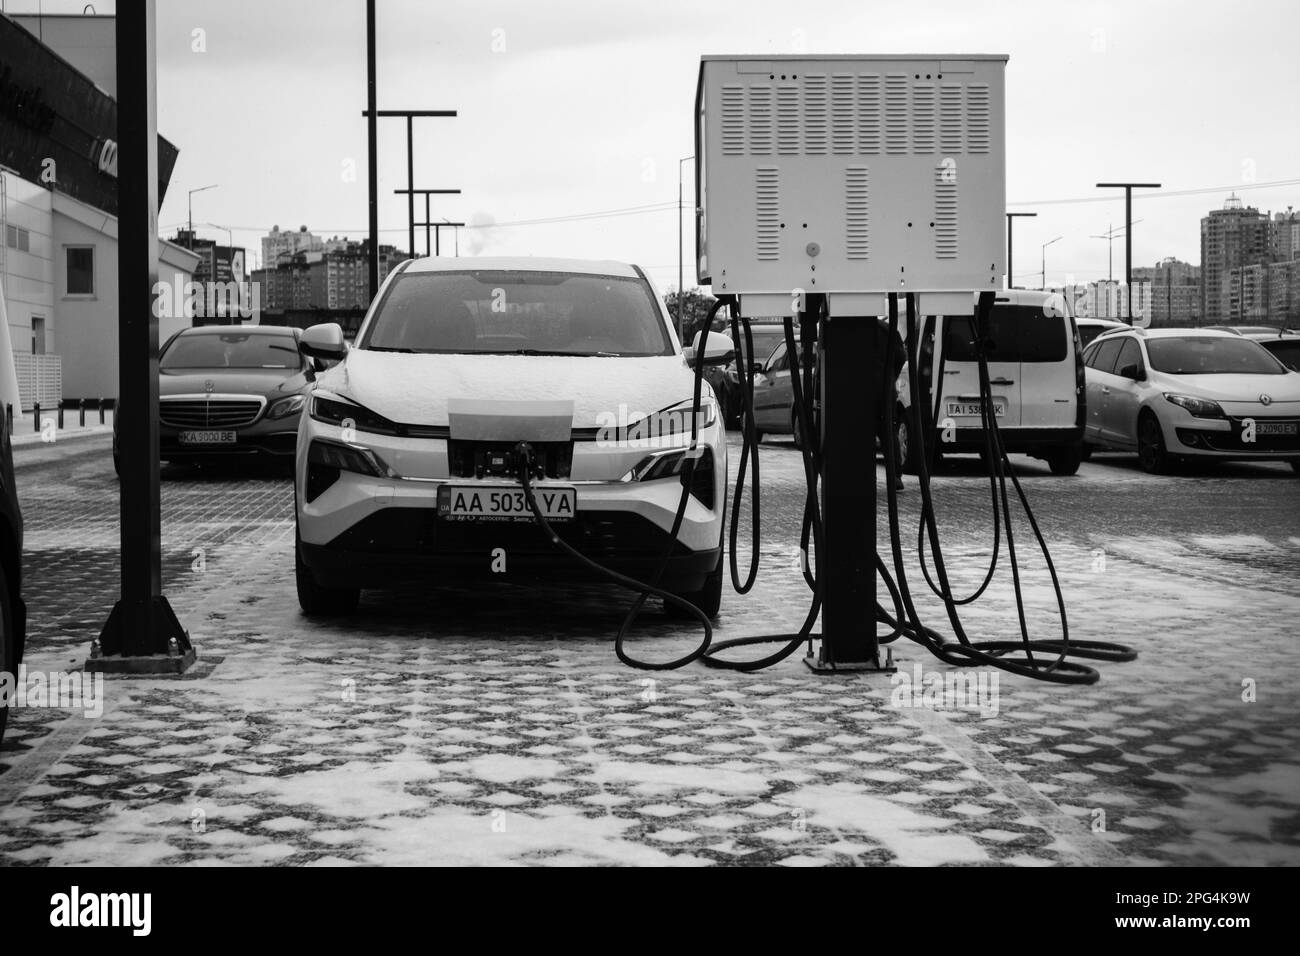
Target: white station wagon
1190, 393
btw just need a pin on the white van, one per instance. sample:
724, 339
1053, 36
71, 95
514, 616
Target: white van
1036, 376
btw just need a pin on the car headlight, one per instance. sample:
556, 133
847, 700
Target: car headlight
286, 406
670, 426
356, 458
1197, 407
327, 460
333, 411
666, 464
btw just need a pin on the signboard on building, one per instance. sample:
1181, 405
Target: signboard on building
57, 128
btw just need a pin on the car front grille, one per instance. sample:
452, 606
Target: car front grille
475, 459
209, 412
601, 535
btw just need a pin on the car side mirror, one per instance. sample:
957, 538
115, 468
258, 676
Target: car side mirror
1130, 371
323, 342
717, 350
755, 367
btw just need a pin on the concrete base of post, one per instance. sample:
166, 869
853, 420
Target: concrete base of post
149, 664
817, 662
172, 652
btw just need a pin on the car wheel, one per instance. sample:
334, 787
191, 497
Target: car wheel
908, 446
708, 598
1085, 451
732, 405
1152, 455
316, 600
1065, 460
117, 464
1295, 465
758, 434
7, 645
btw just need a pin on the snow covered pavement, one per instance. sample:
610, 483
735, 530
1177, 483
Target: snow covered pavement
494, 725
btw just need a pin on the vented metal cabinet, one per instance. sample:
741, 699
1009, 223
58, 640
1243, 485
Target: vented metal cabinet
850, 174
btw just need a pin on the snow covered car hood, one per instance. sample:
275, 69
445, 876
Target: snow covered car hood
415, 389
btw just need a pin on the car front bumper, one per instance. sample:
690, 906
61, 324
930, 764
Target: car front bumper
393, 544
1231, 438
367, 531
1014, 438
271, 437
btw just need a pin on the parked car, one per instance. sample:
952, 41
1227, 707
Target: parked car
1191, 393
405, 464
726, 380
774, 412
1244, 329
1283, 343
227, 391
1090, 328
1035, 372
13, 612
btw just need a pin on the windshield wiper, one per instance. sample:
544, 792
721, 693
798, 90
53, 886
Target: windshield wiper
390, 348
550, 352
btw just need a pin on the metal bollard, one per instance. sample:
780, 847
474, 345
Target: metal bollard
100, 402
36, 416
81, 412
60, 417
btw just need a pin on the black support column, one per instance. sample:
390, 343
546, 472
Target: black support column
372, 149
849, 389
142, 634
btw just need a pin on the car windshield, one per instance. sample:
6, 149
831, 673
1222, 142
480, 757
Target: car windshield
766, 339
1089, 332
496, 312
1017, 333
1211, 355
1288, 351
231, 350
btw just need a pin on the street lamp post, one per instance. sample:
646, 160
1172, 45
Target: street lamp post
1011, 216
1044, 251
427, 221
455, 228
230, 235
1128, 234
681, 169
1109, 235
189, 199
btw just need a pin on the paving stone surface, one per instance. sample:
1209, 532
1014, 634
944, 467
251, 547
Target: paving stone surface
493, 724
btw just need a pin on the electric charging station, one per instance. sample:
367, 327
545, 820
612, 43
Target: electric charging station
829, 187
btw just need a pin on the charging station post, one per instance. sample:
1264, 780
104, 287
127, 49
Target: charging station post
849, 181
848, 415
832, 183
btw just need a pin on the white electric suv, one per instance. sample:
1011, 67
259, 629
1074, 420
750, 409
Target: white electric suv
406, 464
1175, 393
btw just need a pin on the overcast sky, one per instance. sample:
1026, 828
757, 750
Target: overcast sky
574, 106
